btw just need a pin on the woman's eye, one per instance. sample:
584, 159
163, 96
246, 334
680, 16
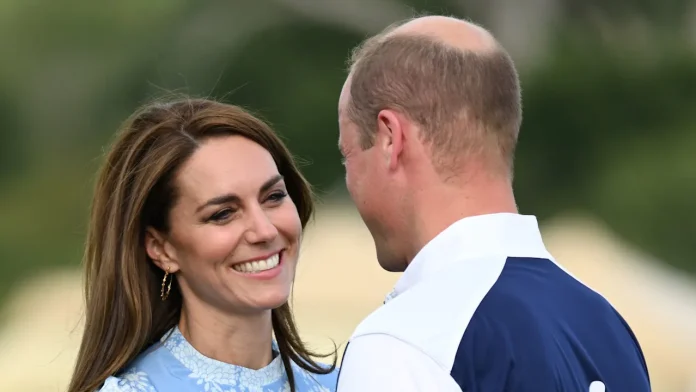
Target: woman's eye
277, 196
221, 215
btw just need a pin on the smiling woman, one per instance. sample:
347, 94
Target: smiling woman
193, 241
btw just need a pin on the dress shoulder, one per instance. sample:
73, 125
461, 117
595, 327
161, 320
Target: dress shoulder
130, 381
311, 382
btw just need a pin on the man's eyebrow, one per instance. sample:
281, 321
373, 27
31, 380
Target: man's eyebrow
232, 198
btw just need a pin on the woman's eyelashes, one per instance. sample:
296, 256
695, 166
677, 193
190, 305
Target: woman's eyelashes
227, 213
277, 196
221, 216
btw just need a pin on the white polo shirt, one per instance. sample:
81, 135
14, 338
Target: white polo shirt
484, 307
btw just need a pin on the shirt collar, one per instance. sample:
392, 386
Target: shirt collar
502, 234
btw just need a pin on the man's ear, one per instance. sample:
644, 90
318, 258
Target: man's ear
390, 136
160, 251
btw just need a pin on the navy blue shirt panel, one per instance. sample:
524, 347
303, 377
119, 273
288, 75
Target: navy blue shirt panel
538, 329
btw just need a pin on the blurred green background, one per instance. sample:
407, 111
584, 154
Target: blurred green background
608, 91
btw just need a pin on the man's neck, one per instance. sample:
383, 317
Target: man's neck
438, 207
242, 340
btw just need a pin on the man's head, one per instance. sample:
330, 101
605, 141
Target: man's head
431, 103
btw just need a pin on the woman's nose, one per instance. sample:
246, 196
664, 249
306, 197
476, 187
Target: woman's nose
260, 229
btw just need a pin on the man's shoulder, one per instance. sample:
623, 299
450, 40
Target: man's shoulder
432, 315
380, 362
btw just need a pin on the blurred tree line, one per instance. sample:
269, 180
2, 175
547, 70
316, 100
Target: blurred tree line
607, 122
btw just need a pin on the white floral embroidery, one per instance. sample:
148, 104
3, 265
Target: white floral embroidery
176, 365
130, 381
285, 388
216, 376
315, 386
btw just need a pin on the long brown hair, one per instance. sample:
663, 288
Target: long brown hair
134, 190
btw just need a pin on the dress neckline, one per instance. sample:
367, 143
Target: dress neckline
212, 370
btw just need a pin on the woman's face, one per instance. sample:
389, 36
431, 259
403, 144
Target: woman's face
235, 232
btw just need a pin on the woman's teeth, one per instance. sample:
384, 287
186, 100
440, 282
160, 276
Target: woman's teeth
259, 265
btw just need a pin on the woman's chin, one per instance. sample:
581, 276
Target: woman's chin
270, 300
273, 304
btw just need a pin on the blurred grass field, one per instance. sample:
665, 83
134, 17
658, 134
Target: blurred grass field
339, 282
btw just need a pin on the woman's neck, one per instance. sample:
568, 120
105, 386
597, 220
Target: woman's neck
242, 340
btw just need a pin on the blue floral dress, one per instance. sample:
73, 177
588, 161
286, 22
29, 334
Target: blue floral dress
174, 365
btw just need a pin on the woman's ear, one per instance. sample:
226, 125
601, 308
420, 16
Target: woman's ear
160, 251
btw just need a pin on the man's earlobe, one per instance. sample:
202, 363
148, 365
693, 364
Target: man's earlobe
390, 128
385, 141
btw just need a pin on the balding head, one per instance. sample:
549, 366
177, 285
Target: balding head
449, 31
451, 78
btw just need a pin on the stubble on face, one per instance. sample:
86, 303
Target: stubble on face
368, 190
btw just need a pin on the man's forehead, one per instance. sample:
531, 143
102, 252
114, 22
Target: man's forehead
343, 121
345, 135
344, 96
